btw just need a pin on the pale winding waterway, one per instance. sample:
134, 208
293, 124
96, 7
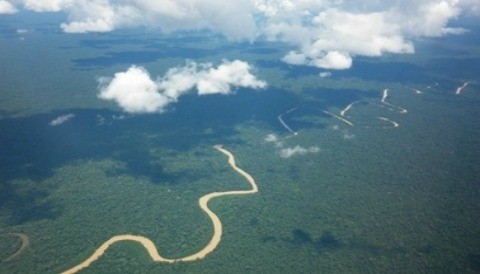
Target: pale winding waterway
23, 246
203, 203
287, 127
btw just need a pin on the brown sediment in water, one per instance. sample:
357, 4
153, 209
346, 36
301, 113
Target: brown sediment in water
461, 88
391, 106
385, 95
288, 128
395, 124
347, 108
338, 117
25, 243
203, 203
417, 91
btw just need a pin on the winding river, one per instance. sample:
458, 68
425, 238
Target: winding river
203, 203
23, 246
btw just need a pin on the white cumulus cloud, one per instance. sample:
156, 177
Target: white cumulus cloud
325, 74
234, 19
322, 33
61, 119
47, 5
329, 38
272, 138
297, 150
287, 152
208, 79
136, 92
332, 60
7, 8
329, 33
471, 6
22, 31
